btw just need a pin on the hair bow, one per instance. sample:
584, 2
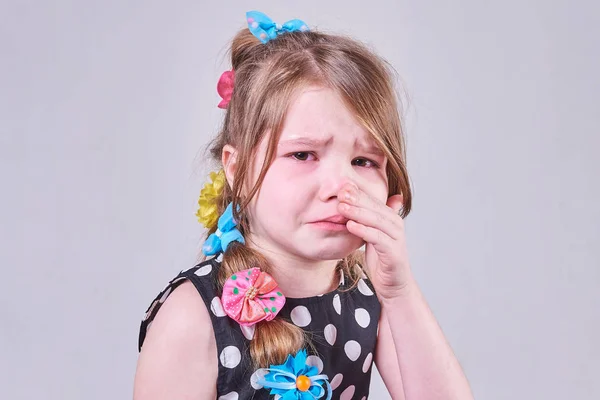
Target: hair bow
266, 29
226, 233
225, 87
295, 379
251, 296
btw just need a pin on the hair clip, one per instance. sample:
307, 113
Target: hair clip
207, 213
295, 379
265, 29
225, 234
225, 88
251, 296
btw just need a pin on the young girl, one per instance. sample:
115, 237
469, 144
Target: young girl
285, 305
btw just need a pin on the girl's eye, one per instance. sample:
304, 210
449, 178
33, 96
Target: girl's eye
361, 162
301, 155
364, 162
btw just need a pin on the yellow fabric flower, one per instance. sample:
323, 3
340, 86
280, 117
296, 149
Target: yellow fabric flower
207, 213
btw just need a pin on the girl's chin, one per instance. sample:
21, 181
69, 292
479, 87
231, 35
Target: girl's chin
328, 249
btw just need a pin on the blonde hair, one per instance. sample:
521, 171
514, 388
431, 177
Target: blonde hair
266, 77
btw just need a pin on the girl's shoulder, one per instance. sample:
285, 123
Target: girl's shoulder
180, 335
192, 294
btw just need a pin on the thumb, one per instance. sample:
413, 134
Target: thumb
395, 202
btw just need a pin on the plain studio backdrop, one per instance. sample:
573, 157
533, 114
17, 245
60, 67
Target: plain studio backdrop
105, 105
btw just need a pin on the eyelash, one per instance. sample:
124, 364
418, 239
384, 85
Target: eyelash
374, 164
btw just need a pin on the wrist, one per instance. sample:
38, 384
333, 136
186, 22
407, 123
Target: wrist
408, 290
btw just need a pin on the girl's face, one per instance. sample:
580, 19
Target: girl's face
322, 148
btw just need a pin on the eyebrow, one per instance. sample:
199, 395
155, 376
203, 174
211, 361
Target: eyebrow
310, 142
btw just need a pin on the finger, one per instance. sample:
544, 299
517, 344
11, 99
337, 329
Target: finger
365, 209
381, 242
396, 203
352, 195
372, 219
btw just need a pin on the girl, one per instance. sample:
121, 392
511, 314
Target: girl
285, 305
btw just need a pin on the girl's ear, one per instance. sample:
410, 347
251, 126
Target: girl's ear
229, 160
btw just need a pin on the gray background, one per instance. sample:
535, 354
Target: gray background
104, 106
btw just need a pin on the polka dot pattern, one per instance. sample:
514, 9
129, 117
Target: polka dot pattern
248, 331
348, 393
258, 374
229, 396
362, 317
337, 304
330, 334
367, 363
203, 271
230, 357
216, 307
301, 316
336, 381
315, 361
352, 349
165, 295
341, 324
364, 288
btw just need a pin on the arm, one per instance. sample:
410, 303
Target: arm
179, 357
386, 359
427, 366
426, 362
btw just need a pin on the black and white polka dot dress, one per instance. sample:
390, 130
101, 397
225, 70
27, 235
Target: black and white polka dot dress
341, 324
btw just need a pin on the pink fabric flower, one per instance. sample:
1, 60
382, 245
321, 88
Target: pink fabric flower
225, 87
251, 296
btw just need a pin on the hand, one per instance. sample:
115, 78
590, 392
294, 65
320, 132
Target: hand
382, 228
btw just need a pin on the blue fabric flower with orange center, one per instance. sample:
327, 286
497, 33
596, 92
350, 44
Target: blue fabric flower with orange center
295, 380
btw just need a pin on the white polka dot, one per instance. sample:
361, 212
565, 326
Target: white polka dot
336, 381
364, 398
230, 357
330, 334
367, 363
362, 272
300, 316
364, 288
248, 331
154, 303
362, 317
220, 257
277, 397
229, 396
255, 25
216, 307
258, 374
337, 304
177, 280
315, 361
348, 393
352, 349
204, 270
165, 295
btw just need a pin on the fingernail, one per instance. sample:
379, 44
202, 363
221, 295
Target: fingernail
349, 196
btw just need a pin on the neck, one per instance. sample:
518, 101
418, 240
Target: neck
299, 277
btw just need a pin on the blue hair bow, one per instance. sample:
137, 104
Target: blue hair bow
226, 233
265, 29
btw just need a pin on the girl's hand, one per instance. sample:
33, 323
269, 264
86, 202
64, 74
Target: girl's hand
382, 228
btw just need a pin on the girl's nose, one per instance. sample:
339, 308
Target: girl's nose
333, 179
